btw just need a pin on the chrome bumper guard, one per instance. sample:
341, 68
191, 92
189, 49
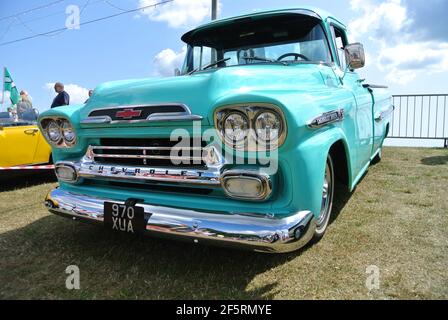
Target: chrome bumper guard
241, 230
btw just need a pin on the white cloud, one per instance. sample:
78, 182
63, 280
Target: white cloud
404, 61
77, 93
179, 13
390, 15
401, 55
167, 60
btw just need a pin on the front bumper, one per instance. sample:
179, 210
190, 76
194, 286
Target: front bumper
241, 230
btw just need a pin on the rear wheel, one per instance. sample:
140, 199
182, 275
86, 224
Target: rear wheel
327, 200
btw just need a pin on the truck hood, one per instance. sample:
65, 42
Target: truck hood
203, 91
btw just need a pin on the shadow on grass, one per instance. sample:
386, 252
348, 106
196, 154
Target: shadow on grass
115, 265
435, 161
341, 197
13, 180
119, 266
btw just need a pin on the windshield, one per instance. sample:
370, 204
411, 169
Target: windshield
18, 115
290, 38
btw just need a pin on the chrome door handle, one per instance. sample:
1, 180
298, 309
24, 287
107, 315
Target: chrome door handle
31, 131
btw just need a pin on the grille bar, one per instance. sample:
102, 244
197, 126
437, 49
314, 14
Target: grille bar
131, 156
147, 148
151, 152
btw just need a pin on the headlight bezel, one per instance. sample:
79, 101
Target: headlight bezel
252, 111
62, 142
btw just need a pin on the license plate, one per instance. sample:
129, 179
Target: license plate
123, 218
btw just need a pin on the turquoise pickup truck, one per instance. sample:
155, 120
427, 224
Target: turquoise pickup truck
242, 147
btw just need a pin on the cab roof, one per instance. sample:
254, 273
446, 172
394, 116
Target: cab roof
305, 10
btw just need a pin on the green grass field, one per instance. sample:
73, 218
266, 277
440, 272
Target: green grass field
397, 219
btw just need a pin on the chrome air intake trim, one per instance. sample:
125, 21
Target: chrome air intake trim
165, 112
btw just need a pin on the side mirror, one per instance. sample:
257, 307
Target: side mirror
354, 56
177, 72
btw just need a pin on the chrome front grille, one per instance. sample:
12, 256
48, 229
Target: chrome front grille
149, 152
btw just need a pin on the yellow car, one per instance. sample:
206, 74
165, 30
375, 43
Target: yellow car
21, 142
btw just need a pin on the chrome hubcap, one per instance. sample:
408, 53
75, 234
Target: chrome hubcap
327, 194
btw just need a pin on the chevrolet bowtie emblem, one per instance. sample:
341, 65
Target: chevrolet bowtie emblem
128, 114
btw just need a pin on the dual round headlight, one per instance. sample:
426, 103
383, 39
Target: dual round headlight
236, 126
59, 132
264, 124
68, 132
268, 125
54, 132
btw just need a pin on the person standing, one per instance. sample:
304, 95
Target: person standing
90, 95
62, 99
24, 105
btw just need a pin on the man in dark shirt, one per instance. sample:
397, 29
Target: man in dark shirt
90, 95
62, 99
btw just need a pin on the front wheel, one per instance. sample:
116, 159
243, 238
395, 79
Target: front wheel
327, 200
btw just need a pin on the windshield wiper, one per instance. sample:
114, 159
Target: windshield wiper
265, 60
209, 65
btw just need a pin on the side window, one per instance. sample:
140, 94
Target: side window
340, 41
233, 58
203, 56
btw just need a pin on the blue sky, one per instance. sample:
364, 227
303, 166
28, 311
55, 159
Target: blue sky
406, 41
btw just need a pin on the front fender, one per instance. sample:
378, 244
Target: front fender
70, 113
311, 161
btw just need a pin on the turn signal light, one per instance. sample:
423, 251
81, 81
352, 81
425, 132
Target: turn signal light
66, 173
246, 186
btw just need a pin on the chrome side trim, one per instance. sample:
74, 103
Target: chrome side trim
261, 233
326, 119
385, 114
156, 117
374, 86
